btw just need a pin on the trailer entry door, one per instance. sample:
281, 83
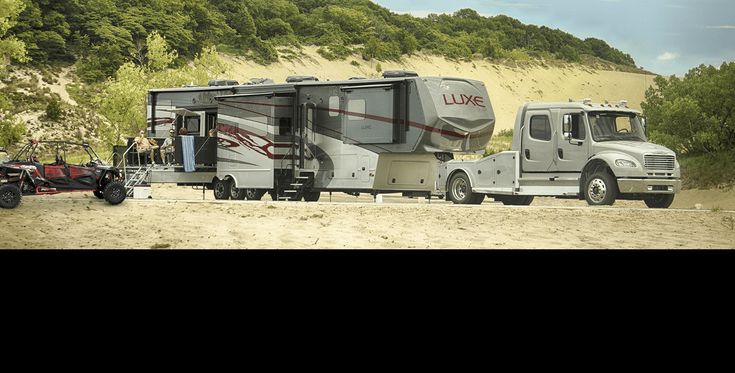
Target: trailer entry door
370, 114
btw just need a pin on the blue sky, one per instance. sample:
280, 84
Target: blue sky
663, 36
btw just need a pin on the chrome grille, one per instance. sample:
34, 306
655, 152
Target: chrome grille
660, 162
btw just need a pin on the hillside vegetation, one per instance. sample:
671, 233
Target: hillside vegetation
101, 35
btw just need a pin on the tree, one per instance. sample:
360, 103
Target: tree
694, 114
10, 47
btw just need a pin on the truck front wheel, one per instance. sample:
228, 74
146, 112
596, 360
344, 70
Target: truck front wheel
460, 191
600, 189
659, 201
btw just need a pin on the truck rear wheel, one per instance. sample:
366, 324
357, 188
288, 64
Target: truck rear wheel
600, 189
659, 201
9, 196
221, 189
460, 191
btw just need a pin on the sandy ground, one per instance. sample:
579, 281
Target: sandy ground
508, 87
179, 218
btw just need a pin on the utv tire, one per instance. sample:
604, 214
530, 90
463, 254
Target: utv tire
99, 194
254, 194
659, 201
237, 193
9, 196
460, 191
600, 189
115, 193
312, 196
222, 189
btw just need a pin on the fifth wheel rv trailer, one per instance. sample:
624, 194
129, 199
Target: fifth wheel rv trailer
304, 137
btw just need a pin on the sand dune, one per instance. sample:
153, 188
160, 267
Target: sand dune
508, 87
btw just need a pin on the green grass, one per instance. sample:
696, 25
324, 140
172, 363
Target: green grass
500, 142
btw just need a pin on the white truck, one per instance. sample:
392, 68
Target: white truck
575, 150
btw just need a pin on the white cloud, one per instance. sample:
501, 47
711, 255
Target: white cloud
667, 56
723, 27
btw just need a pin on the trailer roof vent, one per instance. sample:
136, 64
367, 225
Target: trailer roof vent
262, 81
222, 82
623, 103
301, 78
357, 78
587, 101
399, 74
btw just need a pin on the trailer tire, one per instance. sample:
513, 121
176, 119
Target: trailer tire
460, 191
221, 189
238, 194
115, 193
254, 194
659, 201
600, 189
10, 196
312, 196
514, 200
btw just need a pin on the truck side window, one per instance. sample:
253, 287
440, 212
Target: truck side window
573, 127
540, 128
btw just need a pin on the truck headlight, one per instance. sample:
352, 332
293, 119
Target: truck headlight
624, 163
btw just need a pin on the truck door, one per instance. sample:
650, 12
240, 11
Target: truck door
572, 150
537, 152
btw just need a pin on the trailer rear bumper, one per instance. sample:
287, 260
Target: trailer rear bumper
649, 186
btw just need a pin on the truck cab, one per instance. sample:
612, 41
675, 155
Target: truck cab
596, 152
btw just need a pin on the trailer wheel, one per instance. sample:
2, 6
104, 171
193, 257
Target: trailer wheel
9, 196
221, 189
238, 194
115, 193
659, 201
460, 191
254, 194
601, 189
312, 196
514, 200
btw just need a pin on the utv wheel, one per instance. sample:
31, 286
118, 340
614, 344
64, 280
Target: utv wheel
9, 196
237, 193
99, 194
514, 200
460, 191
600, 189
254, 194
312, 196
659, 201
115, 193
221, 189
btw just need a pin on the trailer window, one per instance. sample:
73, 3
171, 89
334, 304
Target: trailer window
540, 128
334, 106
192, 125
356, 110
284, 126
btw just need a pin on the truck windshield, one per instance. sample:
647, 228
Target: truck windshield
611, 126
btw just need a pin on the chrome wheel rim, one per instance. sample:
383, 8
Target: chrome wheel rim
250, 193
219, 189
459, 188
597, 190
233, 190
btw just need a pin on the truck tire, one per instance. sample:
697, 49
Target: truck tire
254, 194
9, 196
115, 193
238, 194
221, 189
312, 196
659, 201
600, 189
460, 191
514, 200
